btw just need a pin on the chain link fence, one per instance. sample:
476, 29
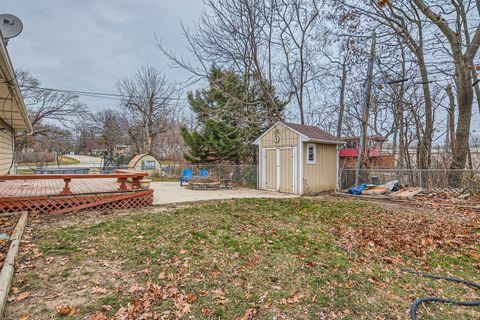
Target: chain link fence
244, 176
430, 179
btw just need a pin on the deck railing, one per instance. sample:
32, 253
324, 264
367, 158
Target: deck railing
121, 176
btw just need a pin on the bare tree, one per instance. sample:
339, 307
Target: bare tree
47, 108
150, 103
237, 36
109, 129
297, 22
463, 48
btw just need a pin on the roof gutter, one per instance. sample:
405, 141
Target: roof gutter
7, 70
325, 141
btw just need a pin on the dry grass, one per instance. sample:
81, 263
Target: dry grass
247, 259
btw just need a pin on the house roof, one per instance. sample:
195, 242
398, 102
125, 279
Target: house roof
308, 133
375, 138
14, 113
313, 133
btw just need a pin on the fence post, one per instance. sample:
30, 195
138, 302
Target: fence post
421, 178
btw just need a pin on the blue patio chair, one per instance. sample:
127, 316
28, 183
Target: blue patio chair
187, 175
204, 173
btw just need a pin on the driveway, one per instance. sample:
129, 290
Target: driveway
86, 161
171, 192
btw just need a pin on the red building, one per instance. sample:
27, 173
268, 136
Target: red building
349, 154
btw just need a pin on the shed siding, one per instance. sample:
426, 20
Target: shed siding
288, 138
6, 151
322, 175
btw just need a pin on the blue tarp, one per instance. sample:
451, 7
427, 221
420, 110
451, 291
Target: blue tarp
358, 189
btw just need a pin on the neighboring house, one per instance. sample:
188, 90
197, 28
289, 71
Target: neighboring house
298, 159
124, 150
99, 152
376, 157
13, 114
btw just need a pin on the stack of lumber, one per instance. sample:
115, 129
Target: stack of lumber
407, 193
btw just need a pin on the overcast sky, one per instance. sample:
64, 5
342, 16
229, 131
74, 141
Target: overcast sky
87, 45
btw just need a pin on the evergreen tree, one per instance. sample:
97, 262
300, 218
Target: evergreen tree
231, 114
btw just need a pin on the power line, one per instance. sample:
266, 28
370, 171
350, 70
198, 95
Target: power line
95, 94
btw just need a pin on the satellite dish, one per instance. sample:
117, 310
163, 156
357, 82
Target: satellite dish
10, 26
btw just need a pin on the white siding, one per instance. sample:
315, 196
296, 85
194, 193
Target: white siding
6, 151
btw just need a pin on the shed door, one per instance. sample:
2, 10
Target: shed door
287, 170
270, 166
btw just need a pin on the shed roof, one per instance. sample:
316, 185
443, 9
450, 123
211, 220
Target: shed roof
309, 133
14, 113
313, 132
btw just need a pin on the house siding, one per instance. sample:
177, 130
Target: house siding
6, 150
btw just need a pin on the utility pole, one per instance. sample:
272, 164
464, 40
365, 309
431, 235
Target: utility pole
362, 147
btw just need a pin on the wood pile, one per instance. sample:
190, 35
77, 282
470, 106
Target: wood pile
407, 193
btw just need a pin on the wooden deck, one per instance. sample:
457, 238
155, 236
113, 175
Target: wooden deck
38, 188
60, 194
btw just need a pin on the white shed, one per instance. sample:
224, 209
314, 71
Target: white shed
297, 159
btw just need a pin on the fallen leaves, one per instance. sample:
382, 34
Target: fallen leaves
407, 232
99, 290
134, 288
146, 298
220, 296
207, 311
8, 224
250, 313
65, 310
23, 296
293, 299
98, 316
191, 297
106, 307
257, 266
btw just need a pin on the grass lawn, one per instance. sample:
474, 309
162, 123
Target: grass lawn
63, 161
248, 259
66, 160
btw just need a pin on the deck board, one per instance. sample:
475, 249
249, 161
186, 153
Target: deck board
37, 188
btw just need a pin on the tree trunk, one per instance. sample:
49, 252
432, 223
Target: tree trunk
477, 89
425, 147
451, 118
465, 101
342, 100
401, 130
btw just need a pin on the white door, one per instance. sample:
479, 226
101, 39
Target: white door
279, 169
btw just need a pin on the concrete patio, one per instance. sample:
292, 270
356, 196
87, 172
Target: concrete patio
171, 192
